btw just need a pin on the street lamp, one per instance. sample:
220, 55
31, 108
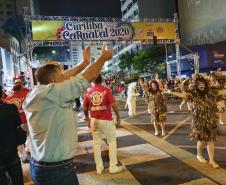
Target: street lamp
53, 52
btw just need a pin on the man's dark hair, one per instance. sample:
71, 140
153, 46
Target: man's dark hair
17, 87
98, 80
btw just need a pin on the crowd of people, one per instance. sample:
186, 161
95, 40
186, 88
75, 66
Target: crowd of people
45, 113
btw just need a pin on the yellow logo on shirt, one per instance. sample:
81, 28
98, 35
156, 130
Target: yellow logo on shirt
97, 97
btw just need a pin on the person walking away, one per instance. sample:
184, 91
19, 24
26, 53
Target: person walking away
99, 101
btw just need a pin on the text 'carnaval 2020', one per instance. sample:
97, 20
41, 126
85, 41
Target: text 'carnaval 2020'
93, 31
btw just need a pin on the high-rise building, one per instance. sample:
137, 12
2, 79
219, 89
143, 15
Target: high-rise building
136, 9
7, 10
10, 8
202, 21
33, 5
20, 4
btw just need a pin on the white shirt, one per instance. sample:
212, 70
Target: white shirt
51, 120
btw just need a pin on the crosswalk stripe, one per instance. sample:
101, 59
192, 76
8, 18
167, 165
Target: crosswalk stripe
176, 127
218, 175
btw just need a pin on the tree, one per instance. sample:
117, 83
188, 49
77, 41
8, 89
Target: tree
126, 62
150, 60
15, 26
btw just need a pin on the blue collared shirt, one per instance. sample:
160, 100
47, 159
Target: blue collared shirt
51, 120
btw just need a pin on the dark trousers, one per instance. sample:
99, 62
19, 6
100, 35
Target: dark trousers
77, 102
10, 163
53, 175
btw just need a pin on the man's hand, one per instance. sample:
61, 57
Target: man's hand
88, 121
106, 54
94, 125
78, 68
157, 77
118, 121
92, 71
86, 56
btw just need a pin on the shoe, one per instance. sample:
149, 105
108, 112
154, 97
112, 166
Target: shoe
201, 159
116, 170
156, 133
163, 133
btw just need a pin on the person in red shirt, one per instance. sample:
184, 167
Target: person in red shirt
17, 98
99, 101
19, 82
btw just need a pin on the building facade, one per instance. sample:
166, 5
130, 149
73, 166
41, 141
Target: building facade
33, 5
11, 8
137, 9
7, 10
134, 10
202, 21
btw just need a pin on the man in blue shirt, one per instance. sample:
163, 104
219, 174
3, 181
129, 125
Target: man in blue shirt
51, 120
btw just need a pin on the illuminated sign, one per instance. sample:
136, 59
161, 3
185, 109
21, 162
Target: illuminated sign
102, 31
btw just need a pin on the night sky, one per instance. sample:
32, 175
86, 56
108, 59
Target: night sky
83, 8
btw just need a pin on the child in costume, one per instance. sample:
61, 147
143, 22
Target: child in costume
156, 104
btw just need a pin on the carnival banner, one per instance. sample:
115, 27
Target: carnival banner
102, 31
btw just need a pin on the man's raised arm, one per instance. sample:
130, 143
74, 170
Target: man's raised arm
78, 68
92, 71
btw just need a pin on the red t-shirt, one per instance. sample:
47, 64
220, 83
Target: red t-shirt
17, 98
26, 90
99, 99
